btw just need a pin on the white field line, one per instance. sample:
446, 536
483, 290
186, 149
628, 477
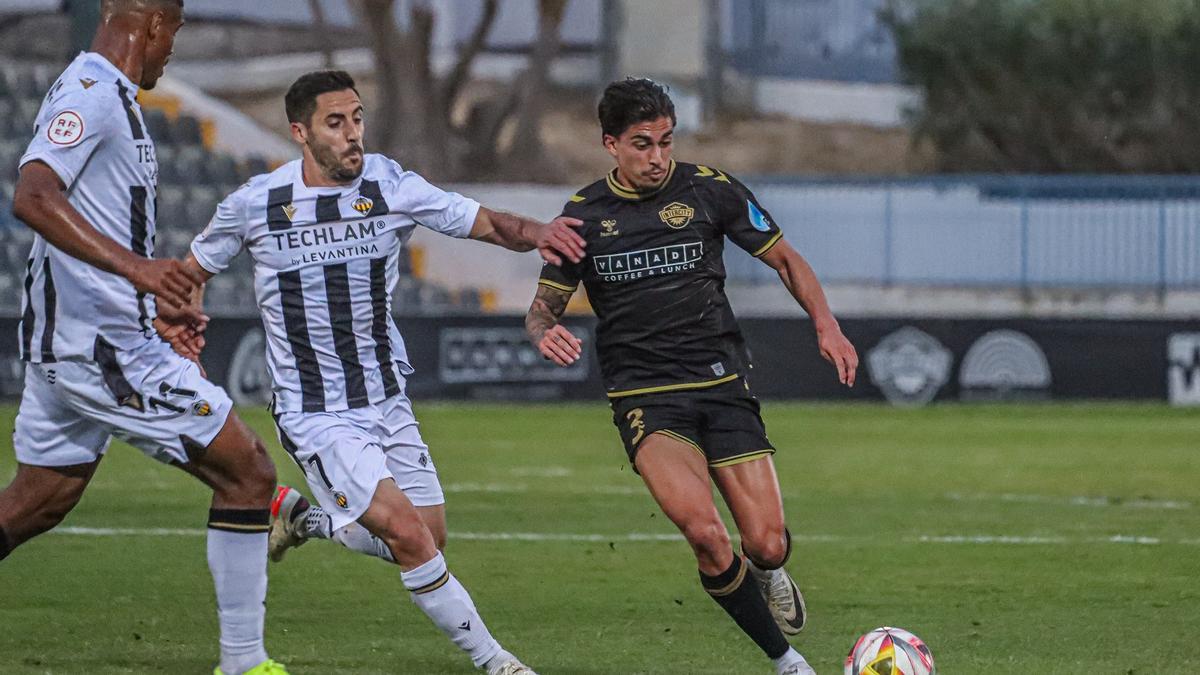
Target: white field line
1093, 502
521, 488
631, 537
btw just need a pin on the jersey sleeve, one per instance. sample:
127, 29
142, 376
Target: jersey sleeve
446, 212
564, 277
745, 220
222, 240
70, 129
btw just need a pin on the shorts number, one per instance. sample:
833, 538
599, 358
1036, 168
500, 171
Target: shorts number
636, 425
165, 390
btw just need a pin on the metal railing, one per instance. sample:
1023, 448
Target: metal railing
1012, 231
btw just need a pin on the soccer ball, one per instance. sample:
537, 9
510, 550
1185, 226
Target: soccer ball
890, 651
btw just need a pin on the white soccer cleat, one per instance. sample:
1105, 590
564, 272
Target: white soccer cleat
800, 668
287, 510
783, 598
510, 667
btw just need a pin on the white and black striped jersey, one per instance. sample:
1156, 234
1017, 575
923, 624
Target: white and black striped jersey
325, 261
91, 133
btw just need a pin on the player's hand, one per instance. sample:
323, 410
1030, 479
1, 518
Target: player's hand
837, 350
168, 280
559, 238
558, 345
187, 340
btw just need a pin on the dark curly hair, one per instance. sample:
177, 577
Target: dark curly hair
632, 100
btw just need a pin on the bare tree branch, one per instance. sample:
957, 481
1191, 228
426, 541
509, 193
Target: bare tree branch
462, 69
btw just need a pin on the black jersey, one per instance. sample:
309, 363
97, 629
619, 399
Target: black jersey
655, 277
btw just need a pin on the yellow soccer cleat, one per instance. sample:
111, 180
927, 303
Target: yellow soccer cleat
268, 667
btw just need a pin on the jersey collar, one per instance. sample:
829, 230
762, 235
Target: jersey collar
99, 61
625, 193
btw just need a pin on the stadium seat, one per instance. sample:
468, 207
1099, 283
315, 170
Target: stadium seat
221, 169
172, 207
10, 153
158, 125
28, 84
186, 131
189, 163
253, 166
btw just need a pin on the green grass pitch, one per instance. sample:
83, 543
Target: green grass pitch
1013, 539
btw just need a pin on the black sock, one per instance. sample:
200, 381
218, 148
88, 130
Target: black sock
3, 544
736, 593
240, 520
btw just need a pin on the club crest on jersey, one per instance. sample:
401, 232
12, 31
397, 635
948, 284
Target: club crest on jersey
289, 210
363, 205
339, 498
677, 214
609, 228
201, 408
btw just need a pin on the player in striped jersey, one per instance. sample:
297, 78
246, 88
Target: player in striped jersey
95, 368
325, 233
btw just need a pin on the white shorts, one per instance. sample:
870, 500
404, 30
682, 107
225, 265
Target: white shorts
345, 454
149, 397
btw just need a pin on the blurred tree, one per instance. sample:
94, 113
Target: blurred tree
1102, 86
414, 120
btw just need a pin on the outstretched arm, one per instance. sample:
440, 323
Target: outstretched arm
40, 201
518, 233
798, 276
552, 339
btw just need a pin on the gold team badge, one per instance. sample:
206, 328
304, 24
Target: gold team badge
609, 228
201, 408
289, 211
339, 498
677, 214
363, 205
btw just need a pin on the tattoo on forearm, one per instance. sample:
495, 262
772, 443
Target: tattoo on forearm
548, 306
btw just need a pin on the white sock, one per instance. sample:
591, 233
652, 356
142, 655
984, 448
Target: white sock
790, 658
356, 538
238, 562
449, 606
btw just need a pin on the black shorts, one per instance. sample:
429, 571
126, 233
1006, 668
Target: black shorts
722, 422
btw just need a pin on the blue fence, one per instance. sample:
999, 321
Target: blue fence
812, 39
1024, 231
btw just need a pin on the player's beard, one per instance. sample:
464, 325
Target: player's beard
331, 163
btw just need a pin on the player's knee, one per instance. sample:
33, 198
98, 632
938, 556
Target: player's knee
405, 536
766, 545
261, 478
45, 518
254, 479
707, 537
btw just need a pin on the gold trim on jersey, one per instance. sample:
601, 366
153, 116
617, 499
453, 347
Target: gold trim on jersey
557, 286
625, 193
767, 246
738, 459
674, 387
681, 438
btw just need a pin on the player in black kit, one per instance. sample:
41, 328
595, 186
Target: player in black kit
672, 356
